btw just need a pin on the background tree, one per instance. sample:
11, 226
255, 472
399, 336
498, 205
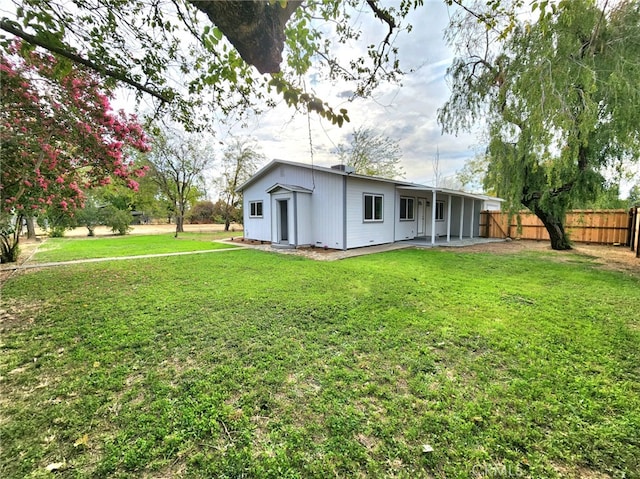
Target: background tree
59, 138
371, 153
90, 216
55, 221
560, 99
118, 220
634, 195
221, 212
472, 176
202, 213
240, 160
178, 163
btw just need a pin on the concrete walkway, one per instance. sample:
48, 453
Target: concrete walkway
28, 265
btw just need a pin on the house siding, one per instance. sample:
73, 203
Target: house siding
257, 228
364, 233
406, 229
327, 211
303, 219
456, 203
441, 225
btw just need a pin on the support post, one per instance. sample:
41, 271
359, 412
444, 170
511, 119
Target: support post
461, 216
433, 218
473, 212
449, 219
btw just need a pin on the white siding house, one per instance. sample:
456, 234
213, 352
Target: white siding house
295, 204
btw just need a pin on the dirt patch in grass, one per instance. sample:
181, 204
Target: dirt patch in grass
617, 258
17, 315
303, 250
246, 241
579, 472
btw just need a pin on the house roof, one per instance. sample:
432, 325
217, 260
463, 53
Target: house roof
274, 163
299, 189
450, 192
405, 185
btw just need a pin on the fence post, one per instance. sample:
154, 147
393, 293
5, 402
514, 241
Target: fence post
633, 221
630, 229
636, 221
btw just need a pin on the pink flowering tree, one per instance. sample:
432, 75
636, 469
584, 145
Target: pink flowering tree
59, 136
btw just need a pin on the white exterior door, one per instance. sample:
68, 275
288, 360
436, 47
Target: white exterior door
424, 217
283, 221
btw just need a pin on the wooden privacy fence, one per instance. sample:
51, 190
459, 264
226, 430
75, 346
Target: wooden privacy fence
583, 226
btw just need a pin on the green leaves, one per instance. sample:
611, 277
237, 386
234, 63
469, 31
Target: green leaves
295, 96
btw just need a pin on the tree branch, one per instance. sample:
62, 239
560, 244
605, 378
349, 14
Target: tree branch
10, 27
382, 15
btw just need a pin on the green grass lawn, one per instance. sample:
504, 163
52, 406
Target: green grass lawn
261, 365
66, 249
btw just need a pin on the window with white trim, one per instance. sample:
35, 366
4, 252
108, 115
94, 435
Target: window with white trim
373, 207
255, 209
439, 210
406, 208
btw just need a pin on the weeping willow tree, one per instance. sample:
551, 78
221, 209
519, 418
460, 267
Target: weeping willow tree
559, 98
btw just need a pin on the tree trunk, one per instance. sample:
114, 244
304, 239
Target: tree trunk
9, 249
179, 224
555, 228
9, 242
227, 216
31, 229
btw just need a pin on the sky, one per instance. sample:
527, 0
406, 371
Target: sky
405, 113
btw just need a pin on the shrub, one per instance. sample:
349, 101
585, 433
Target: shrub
118, 220
201, 213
